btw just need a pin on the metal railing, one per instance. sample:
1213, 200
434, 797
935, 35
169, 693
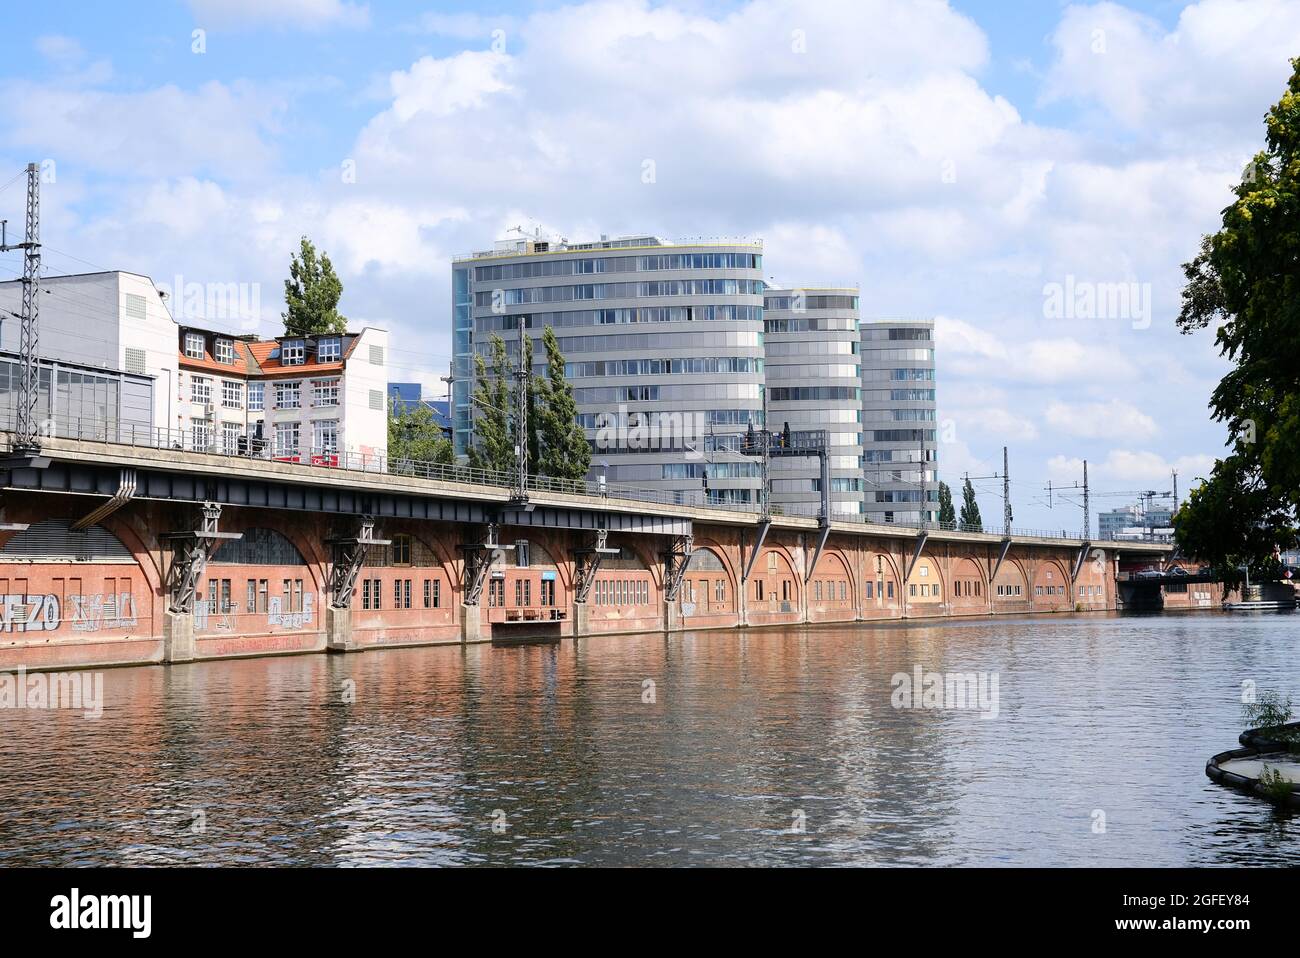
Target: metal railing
211, 441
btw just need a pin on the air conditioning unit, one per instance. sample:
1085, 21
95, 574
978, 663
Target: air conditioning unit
209, 408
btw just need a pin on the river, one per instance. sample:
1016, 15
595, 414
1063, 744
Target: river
772, 747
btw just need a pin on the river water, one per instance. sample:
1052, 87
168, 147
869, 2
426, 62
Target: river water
773, 747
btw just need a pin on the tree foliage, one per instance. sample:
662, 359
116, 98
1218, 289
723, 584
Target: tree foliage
947, 514
557, 444
493, 447
1246, 278
312, 294
565, 452
970, 510
414, 433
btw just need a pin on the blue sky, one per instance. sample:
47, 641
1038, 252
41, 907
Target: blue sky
956, 160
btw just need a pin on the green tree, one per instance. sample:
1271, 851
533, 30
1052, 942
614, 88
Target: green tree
970, 510
493, 447
312, 294
1246, 278
947, 514
415, 434
565, 452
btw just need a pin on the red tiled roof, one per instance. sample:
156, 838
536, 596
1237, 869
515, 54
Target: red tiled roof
254, 359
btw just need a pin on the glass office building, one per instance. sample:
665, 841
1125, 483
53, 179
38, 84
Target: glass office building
814, 382
899, 448
663, 344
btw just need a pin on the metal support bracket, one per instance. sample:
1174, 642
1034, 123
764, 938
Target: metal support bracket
586, 564
190, 553
349, 557
1002, 555
478, 561
763, 525
921, 540
817, 553
675, 562
1078, 561
126, 486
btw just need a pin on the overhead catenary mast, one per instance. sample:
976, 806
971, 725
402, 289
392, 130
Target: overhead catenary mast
26, 432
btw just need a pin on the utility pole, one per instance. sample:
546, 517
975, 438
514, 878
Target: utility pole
26, 434
1006, 494
924, 512
1087, 515
766, 492
522, 376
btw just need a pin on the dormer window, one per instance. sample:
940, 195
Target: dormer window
293, 352
329, 349
225, 351
194, 345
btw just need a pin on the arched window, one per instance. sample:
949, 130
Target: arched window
258, 547
52, 540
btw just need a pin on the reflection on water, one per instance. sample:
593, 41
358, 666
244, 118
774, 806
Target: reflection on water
748, 735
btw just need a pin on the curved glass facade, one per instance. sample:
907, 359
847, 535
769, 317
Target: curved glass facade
899, 442
814, 382
668, 371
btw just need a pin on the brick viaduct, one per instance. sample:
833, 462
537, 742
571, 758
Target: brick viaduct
115, 555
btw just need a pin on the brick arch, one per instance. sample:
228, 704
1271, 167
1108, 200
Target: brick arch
446, 562
1017, 565
556, 548
931, 561
716, 548
889, 572
649, 558
849, 569
783, 552
834, 564
144, 556
313, 555
1060, 577
966, 569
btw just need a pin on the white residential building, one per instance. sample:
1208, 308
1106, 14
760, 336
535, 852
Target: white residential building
318, 399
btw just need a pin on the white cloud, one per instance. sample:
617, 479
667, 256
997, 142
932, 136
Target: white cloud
60, 49
1182, 82
217, 128
1114, 419
1127, 466
442, 87
968, 350
303, 14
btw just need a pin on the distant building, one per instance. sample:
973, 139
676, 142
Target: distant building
1134, 522
295, 398
410, 395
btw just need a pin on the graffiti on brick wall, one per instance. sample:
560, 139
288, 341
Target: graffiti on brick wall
85, 613
91, 613
276, 615
208, 616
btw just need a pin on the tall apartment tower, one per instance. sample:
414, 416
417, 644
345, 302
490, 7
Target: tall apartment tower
663, 344
899, 447
814, 381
